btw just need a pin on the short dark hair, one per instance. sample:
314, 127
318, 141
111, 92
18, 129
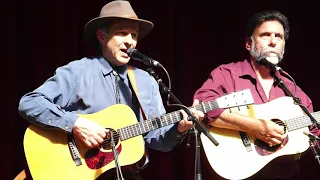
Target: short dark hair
105, 28
268, 15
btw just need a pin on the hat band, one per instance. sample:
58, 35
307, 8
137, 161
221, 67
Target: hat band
129, 16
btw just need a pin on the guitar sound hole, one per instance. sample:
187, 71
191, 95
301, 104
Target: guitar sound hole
280, 123
106, 144
264, 149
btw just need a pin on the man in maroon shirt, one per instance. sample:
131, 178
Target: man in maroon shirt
266, 34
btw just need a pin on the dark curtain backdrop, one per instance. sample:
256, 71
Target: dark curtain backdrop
190, 38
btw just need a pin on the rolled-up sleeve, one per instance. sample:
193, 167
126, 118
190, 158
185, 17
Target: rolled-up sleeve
44, 106
218, 84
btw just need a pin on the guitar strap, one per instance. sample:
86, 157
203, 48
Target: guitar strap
135, 88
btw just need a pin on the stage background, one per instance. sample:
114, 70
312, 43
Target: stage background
190, 39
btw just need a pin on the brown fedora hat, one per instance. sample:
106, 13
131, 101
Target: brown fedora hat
112, 11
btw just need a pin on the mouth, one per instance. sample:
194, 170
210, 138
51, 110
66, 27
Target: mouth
124, 52
272, 53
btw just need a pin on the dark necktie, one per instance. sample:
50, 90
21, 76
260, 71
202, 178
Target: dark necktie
116, 77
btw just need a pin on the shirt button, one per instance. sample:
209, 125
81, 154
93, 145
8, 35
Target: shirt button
66, 127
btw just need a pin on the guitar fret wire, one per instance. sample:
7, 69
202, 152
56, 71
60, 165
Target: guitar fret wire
138, 131
166, 121
176, 116
171, 117
160, 119
150, 127
152, 124
143, 128
125, 133
147, 123
170, 121
130, 132
157, 123
203, 107
210, 105
120, 134
135, 130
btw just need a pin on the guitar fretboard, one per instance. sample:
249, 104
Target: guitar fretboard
301, 122
158, 122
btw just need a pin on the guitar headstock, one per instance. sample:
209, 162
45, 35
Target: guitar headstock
235, 99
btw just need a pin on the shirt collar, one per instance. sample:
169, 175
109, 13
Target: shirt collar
107, 69
246, 69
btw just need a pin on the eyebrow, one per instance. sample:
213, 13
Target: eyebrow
267, 33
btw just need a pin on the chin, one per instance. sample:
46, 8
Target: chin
123, 61
273, 59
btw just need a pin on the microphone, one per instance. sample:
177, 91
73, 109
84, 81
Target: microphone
312, 136
135, 54
265, 62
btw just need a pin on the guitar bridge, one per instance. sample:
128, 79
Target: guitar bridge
245, 140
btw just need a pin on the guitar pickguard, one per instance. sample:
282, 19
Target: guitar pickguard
96, 159
263, 149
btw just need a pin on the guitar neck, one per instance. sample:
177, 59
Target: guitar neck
162, 121
301, 122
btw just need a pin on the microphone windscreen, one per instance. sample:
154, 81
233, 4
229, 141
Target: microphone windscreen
130, 51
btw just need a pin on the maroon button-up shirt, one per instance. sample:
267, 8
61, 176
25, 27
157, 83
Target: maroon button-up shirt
238, 76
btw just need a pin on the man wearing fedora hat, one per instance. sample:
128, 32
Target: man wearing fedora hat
92, 84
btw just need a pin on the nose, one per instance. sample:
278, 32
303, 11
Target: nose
129, 40
273, 40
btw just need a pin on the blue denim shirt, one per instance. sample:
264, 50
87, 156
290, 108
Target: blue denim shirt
87, 86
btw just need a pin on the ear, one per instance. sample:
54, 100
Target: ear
101, 36
248, 42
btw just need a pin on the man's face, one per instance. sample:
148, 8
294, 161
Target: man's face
268, 42
121, 36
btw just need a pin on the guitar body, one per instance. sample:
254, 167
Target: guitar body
48, 156
231, 159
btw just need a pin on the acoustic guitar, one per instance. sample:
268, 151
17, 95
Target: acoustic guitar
241, 155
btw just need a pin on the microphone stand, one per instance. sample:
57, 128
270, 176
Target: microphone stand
314, 148
191, 117
116, 161
297, 101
